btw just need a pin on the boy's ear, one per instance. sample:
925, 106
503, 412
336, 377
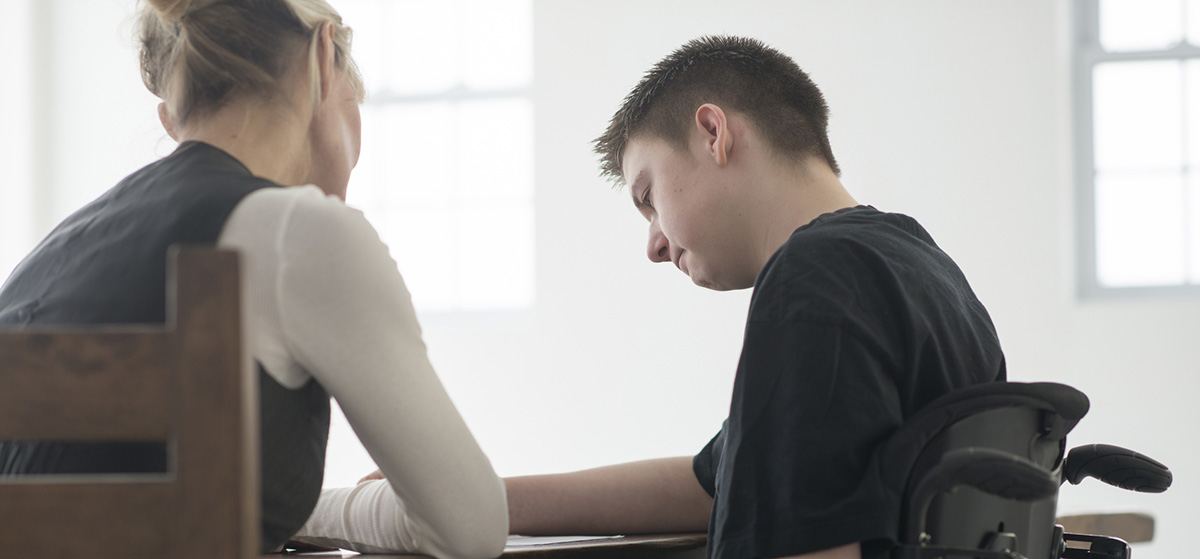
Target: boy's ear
714, 128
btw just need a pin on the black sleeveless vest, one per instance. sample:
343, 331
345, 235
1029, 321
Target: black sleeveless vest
107, 263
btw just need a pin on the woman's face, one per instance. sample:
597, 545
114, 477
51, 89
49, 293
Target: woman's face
336, 137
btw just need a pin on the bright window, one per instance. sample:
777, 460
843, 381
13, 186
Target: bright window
1138, 76
446, 173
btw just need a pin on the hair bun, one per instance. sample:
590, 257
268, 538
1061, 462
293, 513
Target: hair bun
198, 54
174, 10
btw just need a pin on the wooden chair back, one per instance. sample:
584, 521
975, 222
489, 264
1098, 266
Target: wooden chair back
187, 383
1133, 527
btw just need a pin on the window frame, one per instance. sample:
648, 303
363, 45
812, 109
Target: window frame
1087, 54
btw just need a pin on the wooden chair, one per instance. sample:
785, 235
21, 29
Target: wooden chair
187, 383
1133, 527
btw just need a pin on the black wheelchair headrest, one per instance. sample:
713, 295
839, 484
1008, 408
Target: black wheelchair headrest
1062, 407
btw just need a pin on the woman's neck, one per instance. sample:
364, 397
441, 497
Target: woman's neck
270, 141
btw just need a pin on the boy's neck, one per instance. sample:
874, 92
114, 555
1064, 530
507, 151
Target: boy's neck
820, 192
801, 194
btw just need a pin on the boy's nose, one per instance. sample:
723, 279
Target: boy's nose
658, 249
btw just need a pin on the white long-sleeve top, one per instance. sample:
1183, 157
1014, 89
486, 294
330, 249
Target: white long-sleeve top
324, 300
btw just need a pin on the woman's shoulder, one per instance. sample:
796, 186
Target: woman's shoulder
295, 206
287, 198
298, 220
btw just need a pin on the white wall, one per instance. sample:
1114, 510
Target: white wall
954, 112
16, 155
102, 122
81, 118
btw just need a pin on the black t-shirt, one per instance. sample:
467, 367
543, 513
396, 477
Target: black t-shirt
855, 323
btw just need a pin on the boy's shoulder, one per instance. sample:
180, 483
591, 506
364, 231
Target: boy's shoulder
853, 258
859, 222
847, 241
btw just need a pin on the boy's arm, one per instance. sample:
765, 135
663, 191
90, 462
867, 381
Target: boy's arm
848, 551
651, 496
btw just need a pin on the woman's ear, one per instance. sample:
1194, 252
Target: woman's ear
714, 129
326, 58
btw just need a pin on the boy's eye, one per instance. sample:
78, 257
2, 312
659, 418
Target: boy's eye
646, 197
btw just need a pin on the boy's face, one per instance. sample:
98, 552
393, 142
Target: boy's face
697, 217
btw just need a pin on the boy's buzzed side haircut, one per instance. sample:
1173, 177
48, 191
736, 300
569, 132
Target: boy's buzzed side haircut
735, 73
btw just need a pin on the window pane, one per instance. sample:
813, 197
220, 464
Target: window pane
496, 150
1193, 24
367, 180
449, 183
494, 256
1140, 24
369, 33
1138, 115
409, 47
497, 39
1139, 229
478, 257
1193, 218
1192, 91
408, 156
405, 47
422, 240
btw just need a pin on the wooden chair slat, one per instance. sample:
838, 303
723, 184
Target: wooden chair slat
67, 385
222, 454
1132, 527
124, 516
188, 383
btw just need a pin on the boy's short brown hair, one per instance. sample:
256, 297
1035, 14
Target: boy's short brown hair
734, 73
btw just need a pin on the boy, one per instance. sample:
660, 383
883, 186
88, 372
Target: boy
857, 320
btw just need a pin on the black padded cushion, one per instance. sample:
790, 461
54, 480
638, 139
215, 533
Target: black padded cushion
901, 451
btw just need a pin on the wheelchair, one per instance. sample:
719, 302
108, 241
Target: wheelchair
980, 469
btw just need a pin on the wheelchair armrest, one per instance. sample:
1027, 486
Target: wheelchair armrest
1117, 466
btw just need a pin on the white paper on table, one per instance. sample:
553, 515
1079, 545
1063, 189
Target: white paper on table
531, 541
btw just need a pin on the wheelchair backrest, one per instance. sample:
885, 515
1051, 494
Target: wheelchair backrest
1025, 421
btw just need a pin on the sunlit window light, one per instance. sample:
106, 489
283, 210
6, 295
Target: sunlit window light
1140, 177
446, 172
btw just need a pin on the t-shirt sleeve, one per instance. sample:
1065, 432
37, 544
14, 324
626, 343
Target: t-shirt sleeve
704, 464
798, 472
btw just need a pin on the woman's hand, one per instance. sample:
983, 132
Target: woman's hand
371, 476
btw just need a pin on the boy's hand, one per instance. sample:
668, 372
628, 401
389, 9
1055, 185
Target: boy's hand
372, 476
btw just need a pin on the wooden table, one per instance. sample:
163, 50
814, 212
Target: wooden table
654, 546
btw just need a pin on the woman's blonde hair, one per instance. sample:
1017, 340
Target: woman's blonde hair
197, 54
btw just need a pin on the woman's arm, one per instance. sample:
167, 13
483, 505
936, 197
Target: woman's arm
347, 320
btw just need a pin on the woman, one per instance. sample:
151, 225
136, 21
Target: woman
263, 94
